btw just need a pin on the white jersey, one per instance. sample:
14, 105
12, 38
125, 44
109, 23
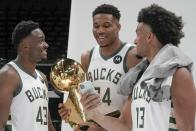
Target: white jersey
148, 115
29, 107
105, 74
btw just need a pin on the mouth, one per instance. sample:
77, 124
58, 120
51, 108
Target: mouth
101, 38
44, 51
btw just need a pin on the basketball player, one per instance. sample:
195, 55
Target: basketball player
23, 89
107, 62
164, 97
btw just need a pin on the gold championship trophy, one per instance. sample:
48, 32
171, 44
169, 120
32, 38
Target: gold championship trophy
65, 76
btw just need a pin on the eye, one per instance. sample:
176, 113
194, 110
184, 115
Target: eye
107, 25
95, 26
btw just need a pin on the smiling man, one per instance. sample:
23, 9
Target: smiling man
107, 62
23, 89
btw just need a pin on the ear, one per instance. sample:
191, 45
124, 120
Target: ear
150, 36
24, 45
25, 42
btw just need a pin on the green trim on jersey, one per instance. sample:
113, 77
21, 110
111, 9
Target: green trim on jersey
173, 129
35, 77
18, 89
43, 77
172, 120
125, 59
91, 52
90, 56
116, 52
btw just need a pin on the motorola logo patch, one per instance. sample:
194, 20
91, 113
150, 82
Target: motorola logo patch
117, 59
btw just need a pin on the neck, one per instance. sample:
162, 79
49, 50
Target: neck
109, 50
26, 64
153, 51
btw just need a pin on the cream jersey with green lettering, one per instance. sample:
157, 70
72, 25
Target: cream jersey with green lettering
29, 107
105, 74
149, 115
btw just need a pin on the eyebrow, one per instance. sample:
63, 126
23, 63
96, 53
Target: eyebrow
40, 37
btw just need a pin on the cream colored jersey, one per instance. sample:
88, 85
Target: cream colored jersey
29, 107
149, 115
105, 74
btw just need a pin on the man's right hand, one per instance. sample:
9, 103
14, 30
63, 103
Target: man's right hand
90, 103
64, 112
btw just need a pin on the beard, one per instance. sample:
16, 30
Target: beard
106, 45
103, 46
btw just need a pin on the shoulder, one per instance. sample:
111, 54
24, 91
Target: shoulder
7, 71
9, 76
183, 87
182, 76
132, 51
132, 58
85, 55
85, 59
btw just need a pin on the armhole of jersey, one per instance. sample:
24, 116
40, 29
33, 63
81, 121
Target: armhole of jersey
19, 87
90, 56
125, 59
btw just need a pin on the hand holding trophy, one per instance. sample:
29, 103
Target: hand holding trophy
67, 75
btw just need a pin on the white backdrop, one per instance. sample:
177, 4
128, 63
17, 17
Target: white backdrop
81, 37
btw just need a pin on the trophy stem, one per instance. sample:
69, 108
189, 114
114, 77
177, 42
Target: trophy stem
75, 96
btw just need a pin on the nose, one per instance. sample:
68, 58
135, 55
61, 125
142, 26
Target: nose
46, 44
100, 30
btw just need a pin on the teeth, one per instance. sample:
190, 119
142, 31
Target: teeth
101, 37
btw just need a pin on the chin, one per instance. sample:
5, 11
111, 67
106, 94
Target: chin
42, 59
45, 58
103, 45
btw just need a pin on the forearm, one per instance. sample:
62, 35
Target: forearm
2, 126
50, 124
1, 129
51, 127
3, 121
185, 125
110, 123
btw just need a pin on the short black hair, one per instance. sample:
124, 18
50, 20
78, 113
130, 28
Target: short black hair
22, 30
107, 9
164, 24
